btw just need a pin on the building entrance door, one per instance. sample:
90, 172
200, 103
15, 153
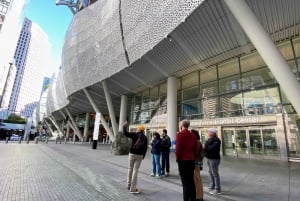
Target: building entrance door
251, 142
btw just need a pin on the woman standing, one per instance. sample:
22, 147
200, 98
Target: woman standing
155, 151
198, 167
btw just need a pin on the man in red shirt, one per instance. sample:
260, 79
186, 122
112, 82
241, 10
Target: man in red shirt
186, 151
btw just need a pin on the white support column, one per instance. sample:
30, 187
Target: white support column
110, 108
267, 49
86, 126
68, 131
172, 107
103, 122
49, 127
123, 112
77, 131
56, 126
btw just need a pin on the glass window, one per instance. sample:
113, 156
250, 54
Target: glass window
145, 94
257, 78
154, 92
296, 43
208, 89
286, 50
190, 80
262, 101
209, 107
163, 89
229, 68
251, 62
190, 93
208, 75
229, 84
231, 105
190, 108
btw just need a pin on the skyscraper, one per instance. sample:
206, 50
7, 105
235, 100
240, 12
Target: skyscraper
10, 25
31, 56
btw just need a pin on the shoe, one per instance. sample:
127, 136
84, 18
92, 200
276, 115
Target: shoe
167, 174
128, 187
210, 188
152, 175
135, 191
215, 192
157, 176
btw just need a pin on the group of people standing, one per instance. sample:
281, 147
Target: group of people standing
189, 153
160, 147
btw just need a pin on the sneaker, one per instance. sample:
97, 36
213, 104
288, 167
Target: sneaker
167, 174
210, 188
157, 176
152, 174
135, 191
215, 192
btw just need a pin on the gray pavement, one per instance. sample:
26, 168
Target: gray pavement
77, 172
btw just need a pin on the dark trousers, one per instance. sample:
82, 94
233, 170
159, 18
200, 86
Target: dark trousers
165, 161
186, 171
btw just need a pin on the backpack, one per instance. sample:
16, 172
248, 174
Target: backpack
141, 143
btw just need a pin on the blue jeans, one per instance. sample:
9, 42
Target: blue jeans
156, 168
213, 170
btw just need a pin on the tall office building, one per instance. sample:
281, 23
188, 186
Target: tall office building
10, 25
32, 56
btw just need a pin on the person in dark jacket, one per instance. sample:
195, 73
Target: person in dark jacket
186, 151
136, 155
212, 153
155, 151
165, 154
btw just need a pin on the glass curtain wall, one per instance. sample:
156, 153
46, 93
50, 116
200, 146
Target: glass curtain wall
238, 87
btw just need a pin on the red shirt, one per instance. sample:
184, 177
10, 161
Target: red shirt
186, 146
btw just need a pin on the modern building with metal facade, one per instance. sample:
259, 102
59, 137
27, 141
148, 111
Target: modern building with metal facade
233, 65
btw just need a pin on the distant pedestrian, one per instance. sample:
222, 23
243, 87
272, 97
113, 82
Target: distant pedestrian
137, 153
155, 155
212, 153
165, 154
198, 167
186, 151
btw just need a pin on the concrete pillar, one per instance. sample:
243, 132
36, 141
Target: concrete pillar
267, 49
75, 128
172, 107
49, 127
103, 122
110, 108
86, 126
56, 126
123, 112
68, 132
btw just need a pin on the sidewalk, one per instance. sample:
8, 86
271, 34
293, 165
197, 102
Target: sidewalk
77, 172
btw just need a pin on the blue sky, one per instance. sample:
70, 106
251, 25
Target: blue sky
54, 20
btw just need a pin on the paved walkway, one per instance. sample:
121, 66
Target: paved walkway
59, 172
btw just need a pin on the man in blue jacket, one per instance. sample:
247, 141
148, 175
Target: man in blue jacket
212, 153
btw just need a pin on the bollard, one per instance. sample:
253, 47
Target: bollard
55, 140
20, 140
36, 140
66, 140
82, 140
28, 140
59, 140
46, 140
90, 140
94, 145
6, 141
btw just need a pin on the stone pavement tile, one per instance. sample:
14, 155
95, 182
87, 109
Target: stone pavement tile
29, 174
